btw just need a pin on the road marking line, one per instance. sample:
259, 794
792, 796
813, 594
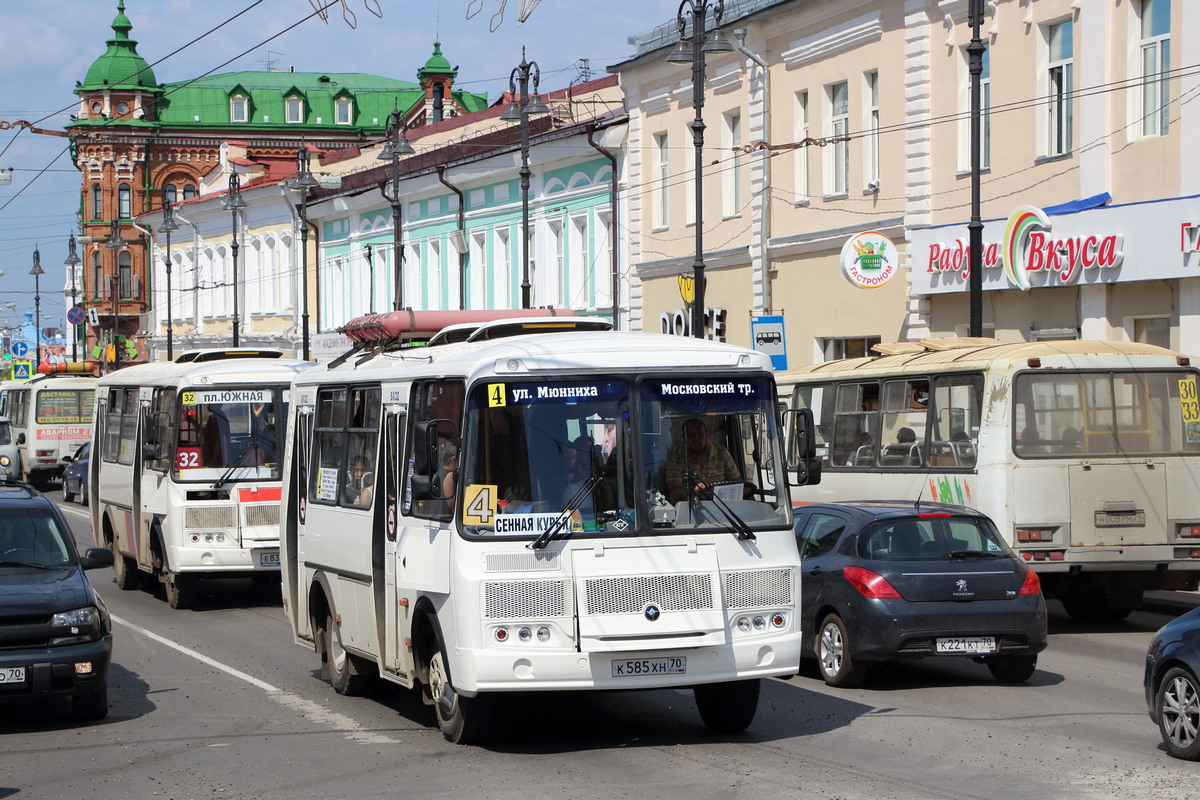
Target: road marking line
315, 712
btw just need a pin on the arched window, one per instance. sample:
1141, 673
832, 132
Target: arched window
98, 289
170, 194
124, 202
125, 269
97, 202
189, 191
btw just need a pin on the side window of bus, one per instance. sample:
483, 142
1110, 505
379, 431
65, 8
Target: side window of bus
905, 411
160, 433
856, 425
344, 446
112, 425
363, 435
957, 404
440, 402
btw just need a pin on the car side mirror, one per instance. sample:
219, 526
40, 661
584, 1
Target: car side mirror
21, 438
96, 557
68, 459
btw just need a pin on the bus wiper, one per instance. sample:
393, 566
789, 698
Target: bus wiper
972, 554
237, 462
740, 528
572, 506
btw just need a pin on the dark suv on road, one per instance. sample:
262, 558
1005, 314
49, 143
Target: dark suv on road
55, 631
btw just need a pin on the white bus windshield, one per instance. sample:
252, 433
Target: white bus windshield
1105, 413
621, 456
223, 429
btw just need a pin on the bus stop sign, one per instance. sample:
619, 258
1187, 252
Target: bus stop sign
768, 338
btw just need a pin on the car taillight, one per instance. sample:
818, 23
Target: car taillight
1032, 584
870, 584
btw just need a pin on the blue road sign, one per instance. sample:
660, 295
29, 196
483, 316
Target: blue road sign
20, 349
768, 337
75, 315
22, 370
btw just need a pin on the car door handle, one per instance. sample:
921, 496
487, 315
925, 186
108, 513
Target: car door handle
815, 571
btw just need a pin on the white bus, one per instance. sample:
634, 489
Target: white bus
520, 511
185, 475
1086, 454
51, 417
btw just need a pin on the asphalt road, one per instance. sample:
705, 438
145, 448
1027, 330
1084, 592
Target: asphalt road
218, 702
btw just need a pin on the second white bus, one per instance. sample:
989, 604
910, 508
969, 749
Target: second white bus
51, 417
185, 467
1086, 454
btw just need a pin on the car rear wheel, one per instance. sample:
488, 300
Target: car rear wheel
838, 668
68, 495
728, 707
1012, 669
1178, 700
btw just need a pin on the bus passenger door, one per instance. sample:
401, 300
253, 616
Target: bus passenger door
395, 621
148, 491
292, 525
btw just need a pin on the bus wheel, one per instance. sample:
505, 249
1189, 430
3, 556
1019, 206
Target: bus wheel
728, 707
346, 672
1090, 606
462, 720
125, 569
181, 589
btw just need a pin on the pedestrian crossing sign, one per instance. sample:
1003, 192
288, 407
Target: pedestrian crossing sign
22, 370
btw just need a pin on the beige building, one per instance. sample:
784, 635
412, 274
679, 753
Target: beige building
833, 120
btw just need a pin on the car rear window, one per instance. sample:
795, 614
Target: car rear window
32, 536
929, 539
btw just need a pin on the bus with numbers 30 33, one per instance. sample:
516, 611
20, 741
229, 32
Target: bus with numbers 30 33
539, 504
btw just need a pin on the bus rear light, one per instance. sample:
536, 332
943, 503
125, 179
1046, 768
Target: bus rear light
1189, 531
1183, 361
1027, 535
1034, 363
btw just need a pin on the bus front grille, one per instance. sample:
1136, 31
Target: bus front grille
761, 588
522, 599
631, 595
261, 515
204, 517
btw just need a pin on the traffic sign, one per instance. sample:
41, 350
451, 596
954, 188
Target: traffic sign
20, 349
76, 315
769, 338
22, 370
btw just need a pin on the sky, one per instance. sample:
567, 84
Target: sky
48, 45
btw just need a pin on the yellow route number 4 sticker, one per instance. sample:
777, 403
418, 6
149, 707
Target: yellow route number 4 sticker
479, 504
1189, 406
496, 395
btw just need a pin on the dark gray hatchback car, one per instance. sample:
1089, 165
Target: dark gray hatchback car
55, 631
886, 579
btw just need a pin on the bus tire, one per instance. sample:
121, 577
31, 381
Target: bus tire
728, 707
345, 671
125, 569
462, 720
180, 589
1090, 606
837, 667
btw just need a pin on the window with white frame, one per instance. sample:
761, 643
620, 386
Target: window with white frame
295, 110
556, 280
1060, 85
438, 283
477, 271
833, 349
602, 258
662, 179
985, 112
576, 290
802, 153
731, 174
343, 111
872, 126
237, 108
1156, 66
500, 273
838, 174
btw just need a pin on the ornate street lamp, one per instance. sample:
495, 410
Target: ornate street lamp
304, 182
116, 242
975, 51
235, 203
519, 110
72, 263
37, 272
691, 50
394, 146
168, 226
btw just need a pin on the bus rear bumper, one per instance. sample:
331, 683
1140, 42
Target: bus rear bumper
525, 669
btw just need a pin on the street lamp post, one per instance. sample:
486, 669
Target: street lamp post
72, 263
519, 109
691, 50
116, 242
975, 50
394, 146
235, 203
304, 182
37, 272
168, 226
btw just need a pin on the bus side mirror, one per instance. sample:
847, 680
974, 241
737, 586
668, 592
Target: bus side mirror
425, 441
802, 446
